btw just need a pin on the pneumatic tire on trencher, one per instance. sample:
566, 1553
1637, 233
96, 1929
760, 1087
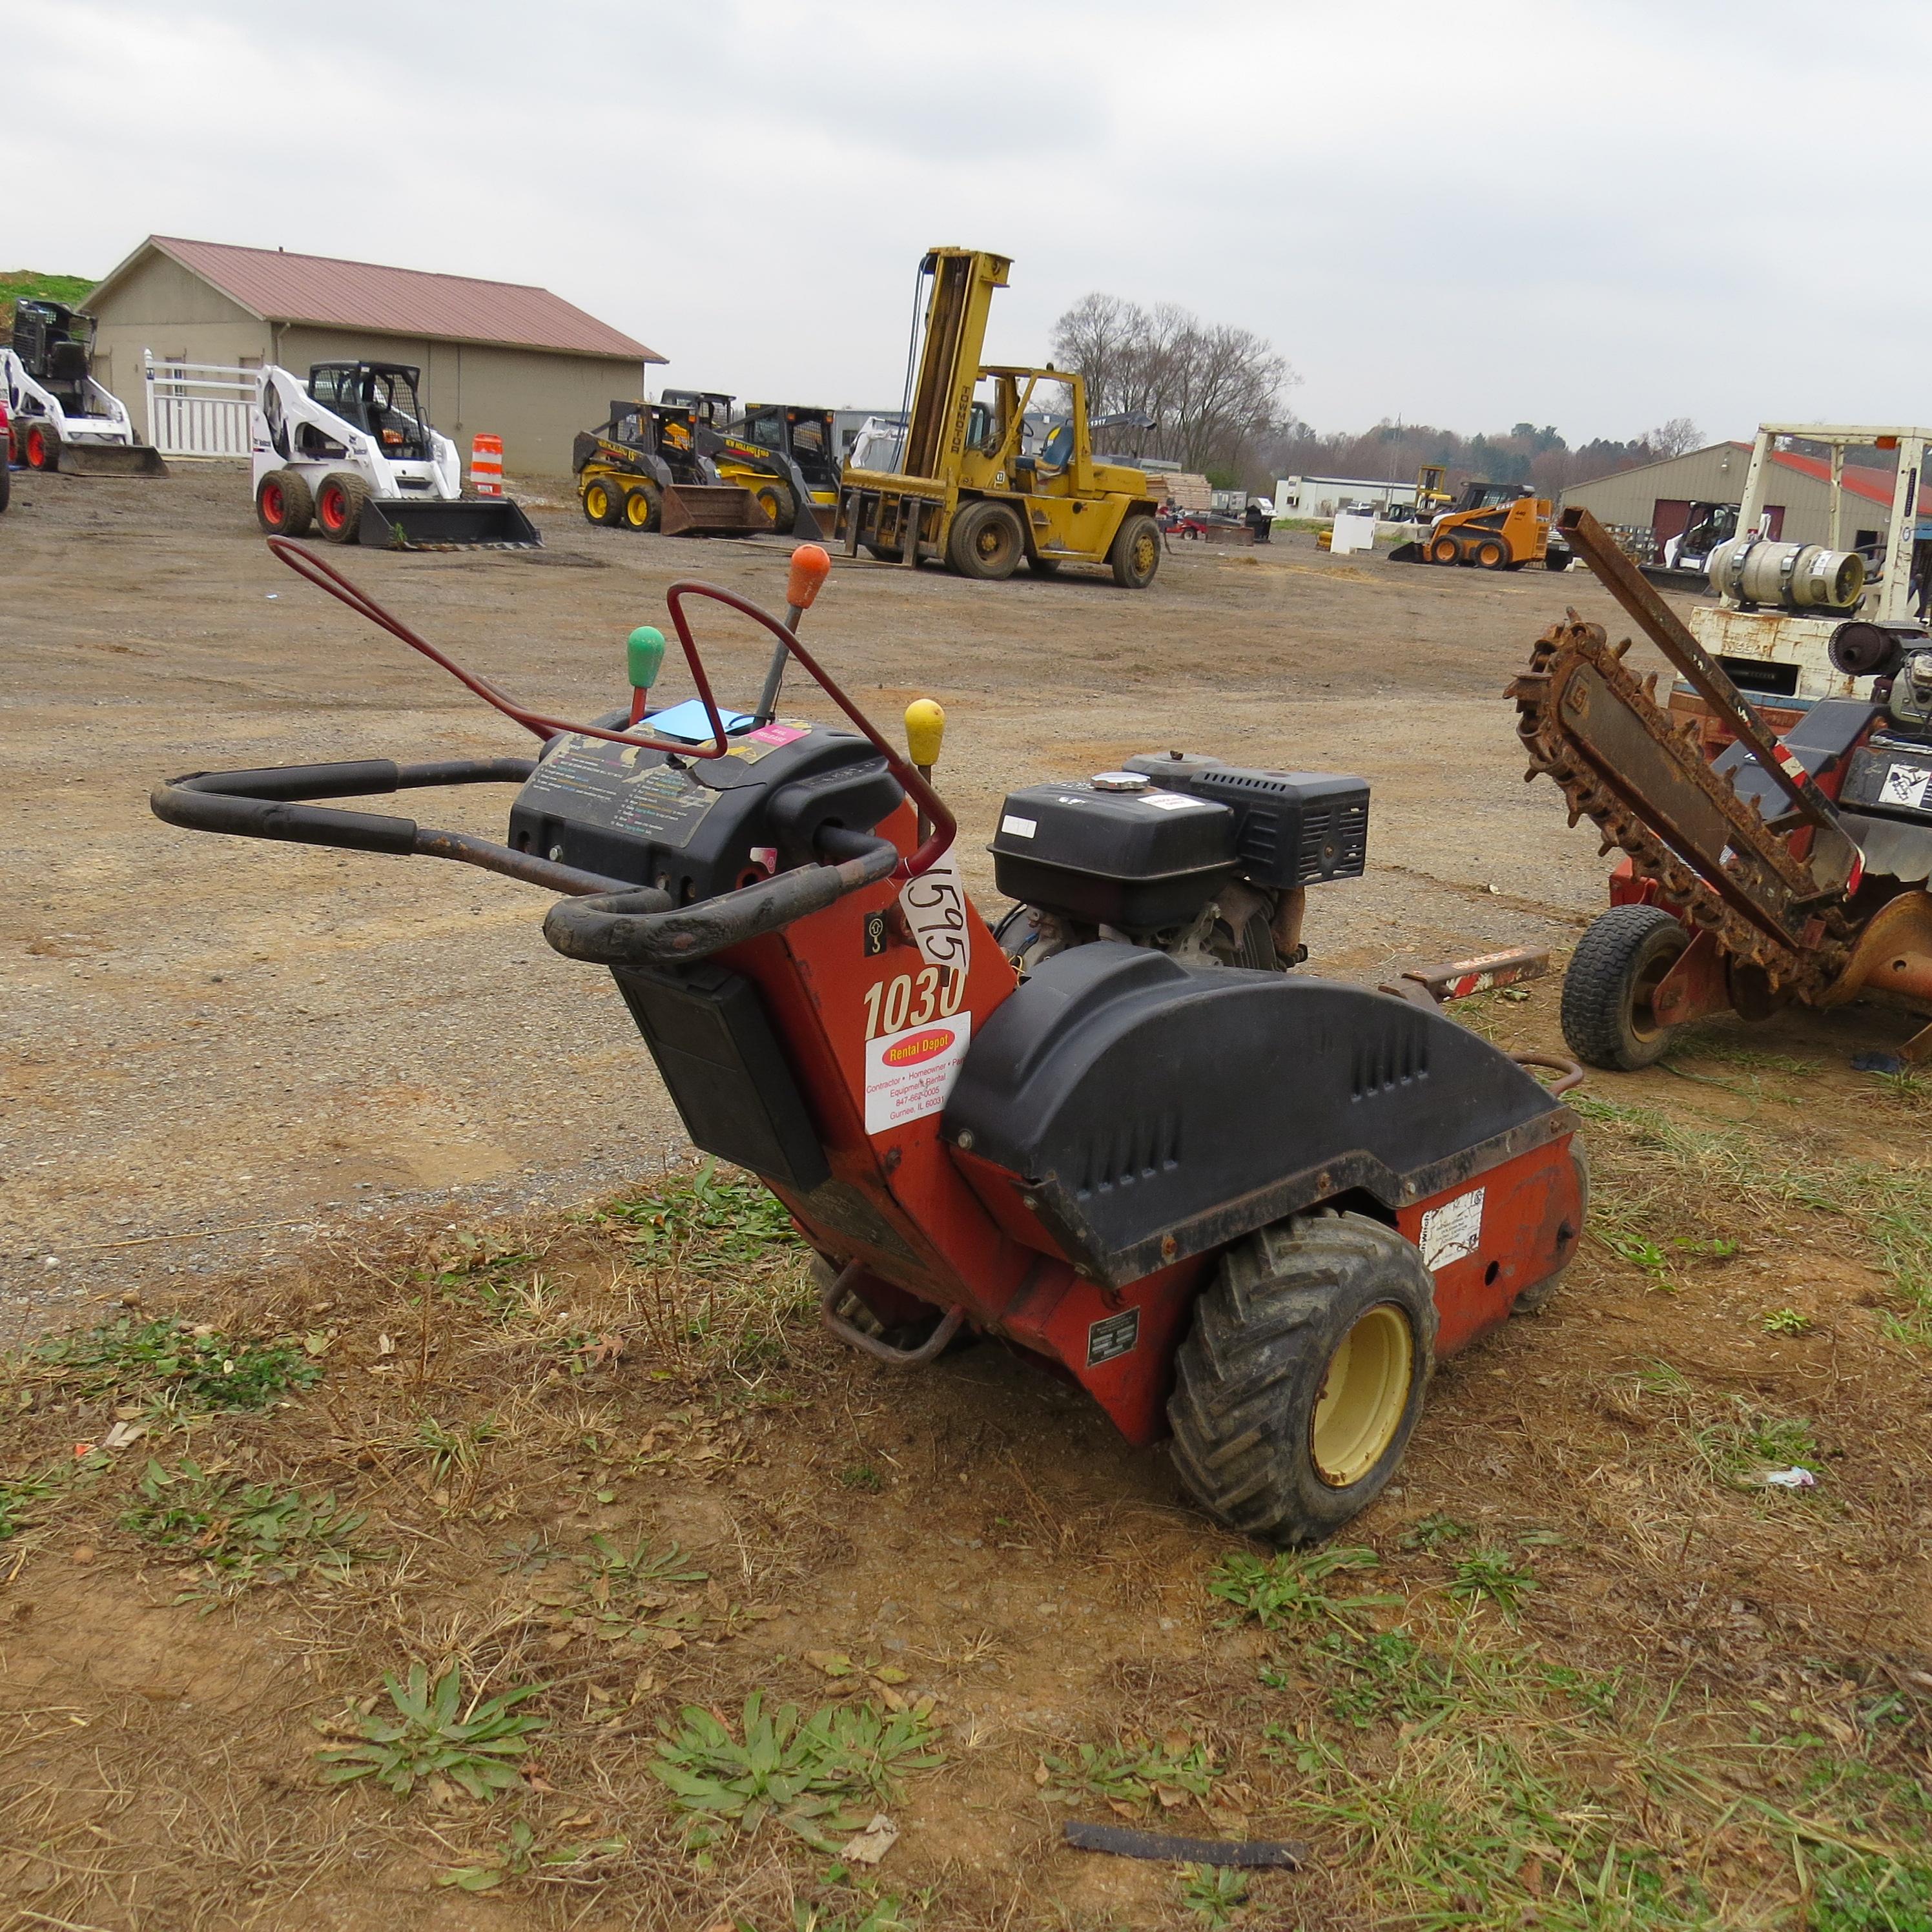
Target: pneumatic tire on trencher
1300, 1382
1618, 964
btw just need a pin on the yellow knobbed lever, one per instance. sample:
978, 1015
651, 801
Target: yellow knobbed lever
926, 728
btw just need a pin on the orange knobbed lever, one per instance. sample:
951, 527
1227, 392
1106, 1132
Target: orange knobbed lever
810, 568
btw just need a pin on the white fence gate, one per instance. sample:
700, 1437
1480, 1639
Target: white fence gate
198, 409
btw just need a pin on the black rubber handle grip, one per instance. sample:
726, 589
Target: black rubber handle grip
267, 803
639, 928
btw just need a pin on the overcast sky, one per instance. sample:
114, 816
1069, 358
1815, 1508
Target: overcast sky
1597, 216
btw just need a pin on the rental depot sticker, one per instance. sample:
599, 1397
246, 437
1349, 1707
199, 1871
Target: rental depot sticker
908, 1074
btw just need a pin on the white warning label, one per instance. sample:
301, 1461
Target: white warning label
1905, 784
908, 1074
1453, 1231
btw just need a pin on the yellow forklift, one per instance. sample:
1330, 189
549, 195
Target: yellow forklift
967, 490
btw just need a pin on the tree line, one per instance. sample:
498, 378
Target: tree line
1215, 396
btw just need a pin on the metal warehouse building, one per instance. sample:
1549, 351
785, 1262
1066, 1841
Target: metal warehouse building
1798, 495
496, 358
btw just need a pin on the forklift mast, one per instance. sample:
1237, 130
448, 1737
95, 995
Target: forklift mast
963, 282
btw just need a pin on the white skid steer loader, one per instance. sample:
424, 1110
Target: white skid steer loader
62, 419
351, 453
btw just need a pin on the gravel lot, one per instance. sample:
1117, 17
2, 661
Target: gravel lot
216, 1051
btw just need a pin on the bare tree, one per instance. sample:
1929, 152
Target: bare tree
1212, 390
1674, 437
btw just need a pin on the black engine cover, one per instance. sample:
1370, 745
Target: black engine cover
1155, 1111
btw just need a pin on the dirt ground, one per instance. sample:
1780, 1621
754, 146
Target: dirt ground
1580, 1667
209, 1035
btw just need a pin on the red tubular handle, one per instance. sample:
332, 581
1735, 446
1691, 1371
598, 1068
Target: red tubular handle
945, 827
305, 563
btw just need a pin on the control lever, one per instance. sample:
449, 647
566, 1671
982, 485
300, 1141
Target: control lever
925, 732
810, 567
643, 655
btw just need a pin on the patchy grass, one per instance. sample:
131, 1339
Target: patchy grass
238, 1534
168, 1366
1577, 1670
1288, 1591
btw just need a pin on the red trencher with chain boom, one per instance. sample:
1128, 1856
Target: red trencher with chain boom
1237, 1203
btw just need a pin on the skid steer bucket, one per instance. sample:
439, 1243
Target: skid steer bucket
110, 459
702, 509
467, 523
1406, 553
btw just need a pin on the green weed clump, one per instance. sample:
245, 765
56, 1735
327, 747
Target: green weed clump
1289, 1591
1216, 1894
1132, 1773
709, 1221
428, 1735
242, 1534
166, 1364
805, 1774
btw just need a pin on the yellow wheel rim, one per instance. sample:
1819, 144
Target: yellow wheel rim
1144, 554
597, 500
636, 509
1362, 1397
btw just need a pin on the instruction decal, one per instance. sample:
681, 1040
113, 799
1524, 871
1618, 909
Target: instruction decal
1452, 1232
1115, 1335
1905, 784
909, 1074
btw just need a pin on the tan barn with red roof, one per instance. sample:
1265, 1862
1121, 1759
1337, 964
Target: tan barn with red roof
499, 358
1658, 495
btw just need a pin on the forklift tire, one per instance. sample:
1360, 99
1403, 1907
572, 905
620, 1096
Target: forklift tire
1444, 550
986, 541
284, 505
1136, 555
778, 505
1617, 966
1301, 1380
644, 507
43, 447
1533, 1301
1489, 554
338, 507
603, 502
